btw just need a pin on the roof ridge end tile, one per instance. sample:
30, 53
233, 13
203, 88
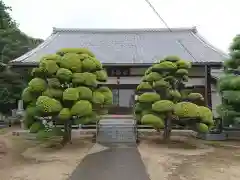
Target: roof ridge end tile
116, 30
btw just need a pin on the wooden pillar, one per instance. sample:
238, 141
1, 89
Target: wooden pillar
118, 89
208, 91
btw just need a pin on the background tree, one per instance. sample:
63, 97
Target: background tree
65, 89
11, 86
162, 100
13, 43
229, 87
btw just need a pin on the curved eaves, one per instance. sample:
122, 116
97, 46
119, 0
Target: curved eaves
209, 45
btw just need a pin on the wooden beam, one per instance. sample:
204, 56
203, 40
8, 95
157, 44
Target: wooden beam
208, 96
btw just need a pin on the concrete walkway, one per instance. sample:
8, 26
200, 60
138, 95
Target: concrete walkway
111, 164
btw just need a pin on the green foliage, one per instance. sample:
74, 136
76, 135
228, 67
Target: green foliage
64, 75
45, 135
175, 95
28, 121
71, 94
155, 121
161, 84
163, 106
161, 98
11, 84
98, 98
153, 76
101, 75
229, 82
65, 90
48, 66
27, 95
13, 44
54, 93
195, 96
53, 83
32, 111
37, 85
107, 93
164, 66
182, 72
149, 97
186, 110
48, 105
144, 86
181, 64
229, 86
76, 50
85, 93
201, 127
81, 108
35, 127
206, 115
64, 114
172, 58
72, 62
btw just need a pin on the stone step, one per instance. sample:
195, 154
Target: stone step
120, 145
117, 121
115, 139
116, 131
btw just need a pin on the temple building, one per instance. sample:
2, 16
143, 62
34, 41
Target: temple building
127, 53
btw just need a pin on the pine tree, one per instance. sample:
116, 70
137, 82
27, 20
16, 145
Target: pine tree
65, 89
229, 87
162, 101
13, 43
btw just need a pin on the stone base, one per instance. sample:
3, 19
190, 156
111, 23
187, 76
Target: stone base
212, 137
233, 135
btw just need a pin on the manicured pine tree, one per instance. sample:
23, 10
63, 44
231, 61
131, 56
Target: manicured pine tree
162, 100
67, 88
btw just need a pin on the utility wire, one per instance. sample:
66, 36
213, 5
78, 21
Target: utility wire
169, 29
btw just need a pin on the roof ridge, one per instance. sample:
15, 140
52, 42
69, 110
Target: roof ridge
116, 30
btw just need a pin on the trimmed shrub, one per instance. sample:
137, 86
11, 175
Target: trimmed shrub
162, 98
64, 90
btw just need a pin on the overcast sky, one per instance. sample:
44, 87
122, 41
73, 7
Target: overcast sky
216, 20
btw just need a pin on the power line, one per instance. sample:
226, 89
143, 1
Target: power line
169, 29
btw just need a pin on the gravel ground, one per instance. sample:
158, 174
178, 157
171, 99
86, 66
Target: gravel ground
188, 159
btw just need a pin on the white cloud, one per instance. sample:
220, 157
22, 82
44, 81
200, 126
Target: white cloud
216, 20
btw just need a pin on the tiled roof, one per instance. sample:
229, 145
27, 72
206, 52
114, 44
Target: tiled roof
129, 46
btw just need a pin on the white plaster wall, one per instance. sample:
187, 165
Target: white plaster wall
111, 80
216, 99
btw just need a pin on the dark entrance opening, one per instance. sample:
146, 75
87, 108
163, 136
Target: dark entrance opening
123, 98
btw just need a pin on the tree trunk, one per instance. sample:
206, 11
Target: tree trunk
167, 128
67, 133
70, 132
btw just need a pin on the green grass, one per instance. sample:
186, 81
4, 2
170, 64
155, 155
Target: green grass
4, 130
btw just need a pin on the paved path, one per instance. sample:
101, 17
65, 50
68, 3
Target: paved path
112, 164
